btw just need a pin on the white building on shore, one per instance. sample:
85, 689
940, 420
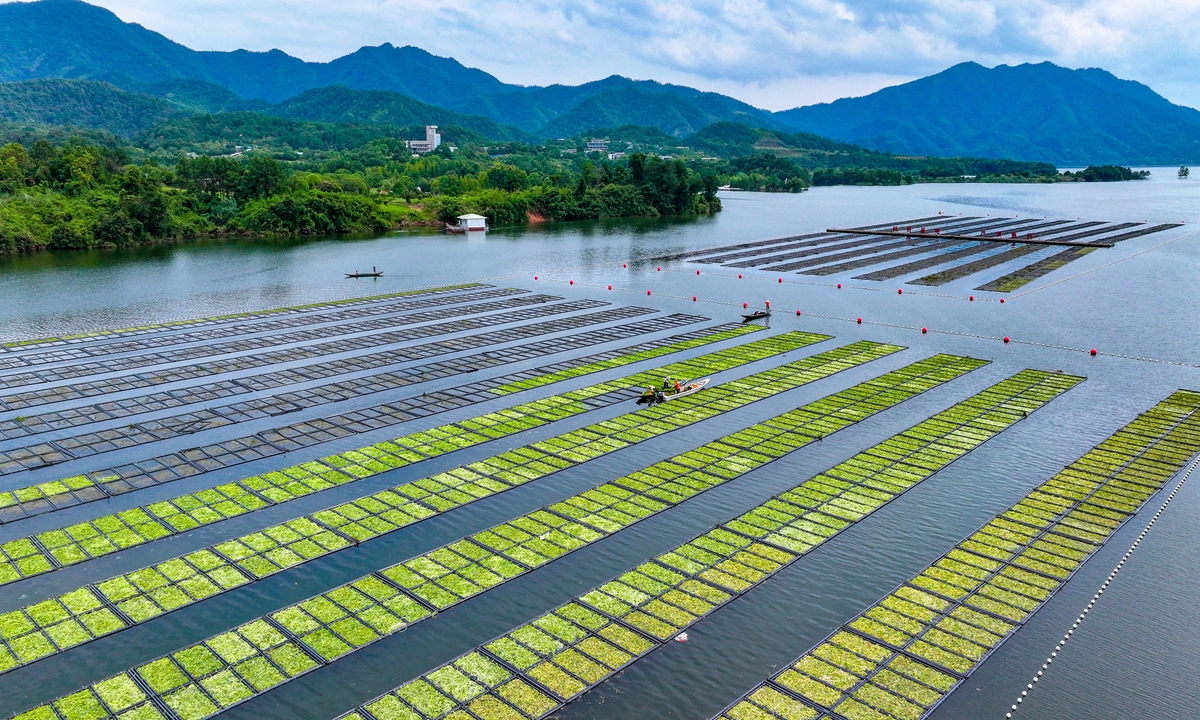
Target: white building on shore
429, 144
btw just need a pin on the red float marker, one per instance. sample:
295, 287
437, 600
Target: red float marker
745, 305
1093, 351
860, 321
899, 291
610, 287
693, 298
797, 313
1005, 338
1001, 301
972, 298
535, 277
624, 265
924, 330
780, 279
647, 292
839, 286
697, 272
739, 276
570, 282
660, 269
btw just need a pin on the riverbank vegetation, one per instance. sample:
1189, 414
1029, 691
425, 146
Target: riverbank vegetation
247, 174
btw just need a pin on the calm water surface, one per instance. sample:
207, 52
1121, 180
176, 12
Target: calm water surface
1137, 655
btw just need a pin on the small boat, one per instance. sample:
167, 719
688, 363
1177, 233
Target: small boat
692, 386
373, 273
756, 315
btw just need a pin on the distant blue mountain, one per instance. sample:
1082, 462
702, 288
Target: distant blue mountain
1029, 112
1032, 112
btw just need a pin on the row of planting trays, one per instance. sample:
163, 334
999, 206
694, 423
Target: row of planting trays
901, 657
271, 342
557, 657
53, 549
101, 484
81, 615
356, 614
143, 330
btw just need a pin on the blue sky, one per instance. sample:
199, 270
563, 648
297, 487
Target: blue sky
774, 54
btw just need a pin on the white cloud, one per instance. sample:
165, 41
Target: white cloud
773, 53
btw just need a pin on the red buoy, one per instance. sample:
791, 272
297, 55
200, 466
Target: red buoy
739, 276
797, 313
899, 291
780, 279
624, 265
924, 330
660, 269
1001, 301
839, 286
610, 287
697, 272
745, 305
570, 282
693, 298
647, 292
1005, 338
860, 321
1093, 351
535, 277
972, 298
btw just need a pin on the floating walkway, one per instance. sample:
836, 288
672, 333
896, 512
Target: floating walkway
937, 241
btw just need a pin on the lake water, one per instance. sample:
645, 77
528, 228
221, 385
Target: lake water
1136, 656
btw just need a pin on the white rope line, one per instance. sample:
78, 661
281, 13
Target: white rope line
1107, 581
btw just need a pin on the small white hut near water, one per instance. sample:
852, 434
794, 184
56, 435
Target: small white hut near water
472, 223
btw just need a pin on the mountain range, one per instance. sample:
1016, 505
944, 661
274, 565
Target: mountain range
65, 61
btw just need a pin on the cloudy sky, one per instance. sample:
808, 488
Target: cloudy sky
774, 54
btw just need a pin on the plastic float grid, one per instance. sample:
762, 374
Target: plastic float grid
854, 245
114, 532
55, 452
941, 625
352, 635
155, 590
662, 597
76, 391
131, 362
162, 329
257, 331
49, 496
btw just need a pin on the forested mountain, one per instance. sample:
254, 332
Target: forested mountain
1029, 112
82, 103
1034, 112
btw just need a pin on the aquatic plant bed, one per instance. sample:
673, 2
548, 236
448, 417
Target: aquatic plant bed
220, 320
65, 492
77, 391
857, 247
816, 238
74, 370
119, 531
448, 575
904, 655
55, 451
559, 652
152, 591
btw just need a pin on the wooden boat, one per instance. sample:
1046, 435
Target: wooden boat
687, 388
756, 315
357, 274
692, 386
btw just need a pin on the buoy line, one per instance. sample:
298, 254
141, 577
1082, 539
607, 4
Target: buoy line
923, 330
1092, 603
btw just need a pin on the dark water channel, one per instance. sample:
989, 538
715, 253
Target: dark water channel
1137, 655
